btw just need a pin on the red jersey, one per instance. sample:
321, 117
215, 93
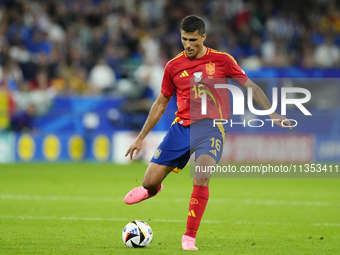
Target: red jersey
189, 78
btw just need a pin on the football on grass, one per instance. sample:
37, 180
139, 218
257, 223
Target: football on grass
137, 234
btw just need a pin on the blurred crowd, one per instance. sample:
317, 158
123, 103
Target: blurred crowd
120, 47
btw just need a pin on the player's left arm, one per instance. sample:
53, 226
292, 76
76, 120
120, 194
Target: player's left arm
261, 99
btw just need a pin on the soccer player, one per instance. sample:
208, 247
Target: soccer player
188, 134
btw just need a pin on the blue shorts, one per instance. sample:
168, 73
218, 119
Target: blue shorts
181, 142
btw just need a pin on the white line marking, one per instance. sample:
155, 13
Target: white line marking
287, 224
27, 217
165, 200
265, 223
327, 224
58, 198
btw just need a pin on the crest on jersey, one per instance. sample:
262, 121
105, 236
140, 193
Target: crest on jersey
157, 153
210, 68
198, 76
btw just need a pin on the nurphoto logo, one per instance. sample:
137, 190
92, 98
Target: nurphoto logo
238, 104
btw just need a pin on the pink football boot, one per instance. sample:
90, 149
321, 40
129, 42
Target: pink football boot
139, 194
188, 243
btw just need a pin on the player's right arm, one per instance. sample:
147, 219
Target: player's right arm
156, 112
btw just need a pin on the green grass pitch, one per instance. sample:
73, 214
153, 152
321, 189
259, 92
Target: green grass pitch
79, 209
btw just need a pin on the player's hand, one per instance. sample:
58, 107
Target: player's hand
277, 119
136, 146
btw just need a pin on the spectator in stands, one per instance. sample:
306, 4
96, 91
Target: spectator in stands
133, 113
150, 74
11, 76
22, 120
327, 55
39, 42
20, 53
331, 21
55, 32
115, 56
102, 78
307, 58
41, 81
233, 48
4, 54
78, 83
275, 53
66, 69
253, 53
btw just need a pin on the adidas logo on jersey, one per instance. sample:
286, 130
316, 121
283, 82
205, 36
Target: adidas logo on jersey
184, 74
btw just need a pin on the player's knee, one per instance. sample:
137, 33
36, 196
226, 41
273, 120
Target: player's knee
201, 181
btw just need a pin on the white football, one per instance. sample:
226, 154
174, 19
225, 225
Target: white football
137, 234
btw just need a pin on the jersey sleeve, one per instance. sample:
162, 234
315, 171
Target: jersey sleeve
234, 71
168, 88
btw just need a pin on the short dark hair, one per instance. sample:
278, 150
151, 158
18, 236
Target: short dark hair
192, 23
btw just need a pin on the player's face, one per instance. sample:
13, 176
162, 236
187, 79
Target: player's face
193, 43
